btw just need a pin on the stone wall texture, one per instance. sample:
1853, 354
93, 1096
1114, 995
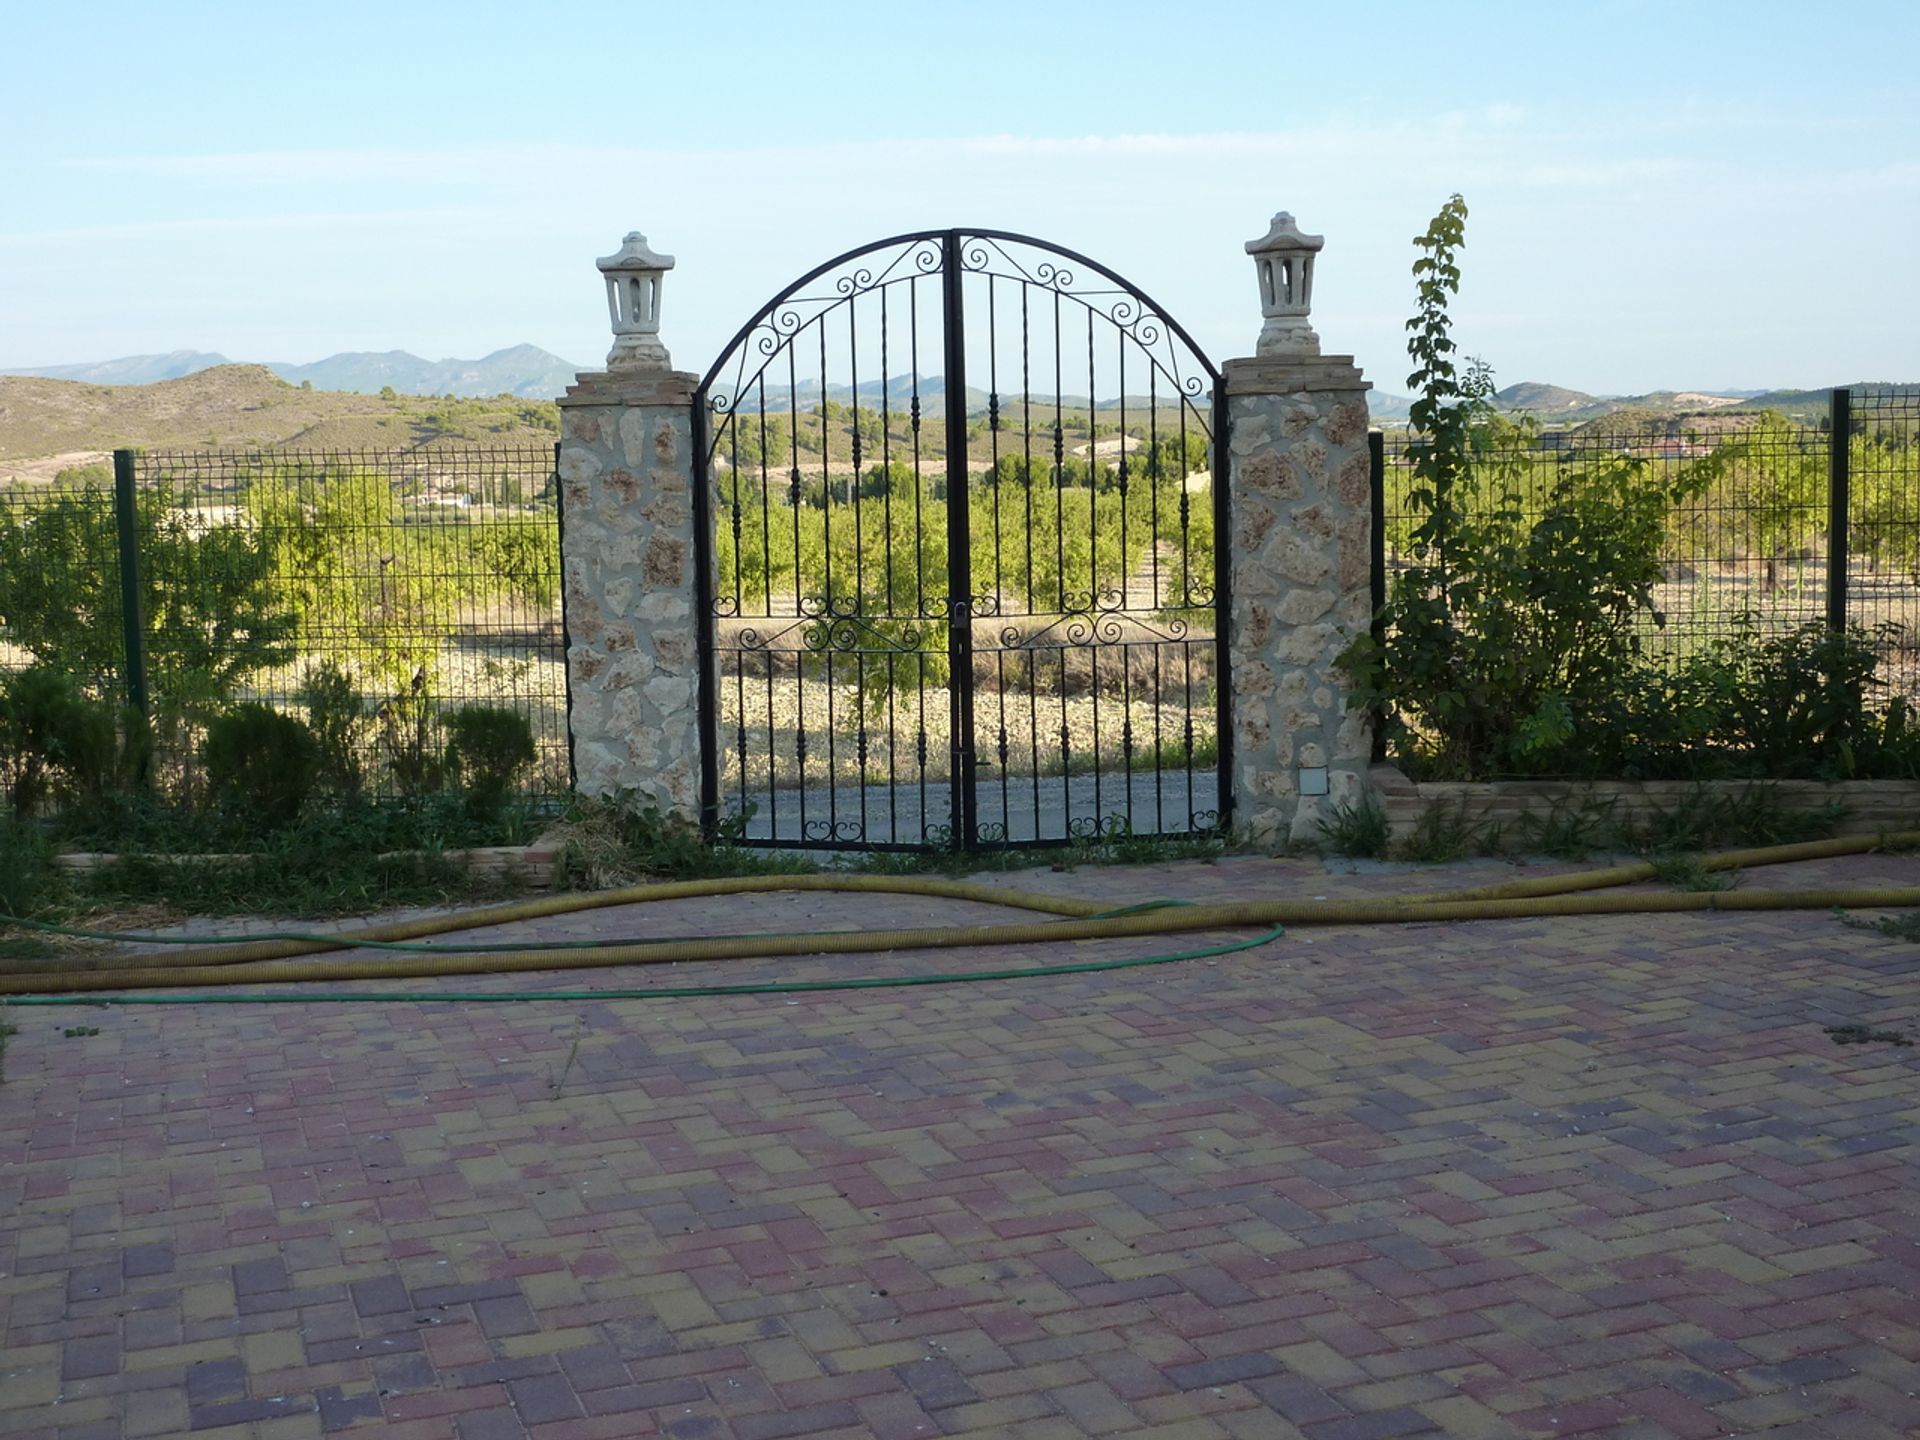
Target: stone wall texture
626, 468
1511, 811
1301, 504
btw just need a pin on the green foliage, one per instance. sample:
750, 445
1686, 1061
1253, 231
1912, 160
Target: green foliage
1685, 872
207, 594
51, 734
348, 563
1762, 492
383, 581
1573, 828
487, 751
617, 841
1357, 828
291, 873
80, 477
26, 866
1719, 820
407, 740
1797, 704
131, 824
1894, 927
262, 763
1513, 637
339, 718
1448, 832
1512, 626
1060, 539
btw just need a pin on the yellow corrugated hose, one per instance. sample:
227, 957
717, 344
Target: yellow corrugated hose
258, 962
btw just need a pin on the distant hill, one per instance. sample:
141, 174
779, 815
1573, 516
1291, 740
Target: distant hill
1543, 400
44, 420
1383, 405
523, 370
132, 369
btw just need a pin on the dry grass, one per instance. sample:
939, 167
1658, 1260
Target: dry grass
46, 425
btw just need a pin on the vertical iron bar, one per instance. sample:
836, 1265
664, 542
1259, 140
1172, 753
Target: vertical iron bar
1377, 562
1377, 525
566, 634
703, 542
959, 549
1222, 599
133, 620
1093, 569
1839, 498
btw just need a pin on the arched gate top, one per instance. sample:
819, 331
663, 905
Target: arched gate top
922, 253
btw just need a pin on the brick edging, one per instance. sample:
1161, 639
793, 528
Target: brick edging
536, 866
1873, 806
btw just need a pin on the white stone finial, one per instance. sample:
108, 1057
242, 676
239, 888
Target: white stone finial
1283, 259
633, 274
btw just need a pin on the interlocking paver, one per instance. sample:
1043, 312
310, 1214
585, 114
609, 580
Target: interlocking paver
1588, 1176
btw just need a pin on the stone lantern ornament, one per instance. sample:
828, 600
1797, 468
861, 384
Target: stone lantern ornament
1283, 258
634, 273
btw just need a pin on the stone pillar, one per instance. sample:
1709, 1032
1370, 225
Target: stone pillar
1301, 502
633, 664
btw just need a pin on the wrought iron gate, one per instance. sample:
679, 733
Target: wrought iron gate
964, 529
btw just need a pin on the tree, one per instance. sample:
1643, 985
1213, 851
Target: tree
353, 569
1513, 626
211, 607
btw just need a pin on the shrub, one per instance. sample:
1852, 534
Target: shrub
50, 732
338, 716
209, 596
488, 749
1508, 635
1357, 828
261, 763
26, 866
406, 735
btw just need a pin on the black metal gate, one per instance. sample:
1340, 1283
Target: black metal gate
964, 525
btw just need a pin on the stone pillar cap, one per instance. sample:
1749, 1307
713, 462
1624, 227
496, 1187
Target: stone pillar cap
1284, 234
635, 254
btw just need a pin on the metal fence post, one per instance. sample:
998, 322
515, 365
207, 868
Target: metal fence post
1377, 557
966, 800
1839, 487
133, 619
566, 635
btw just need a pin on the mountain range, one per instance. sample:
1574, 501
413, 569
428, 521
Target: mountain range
525, 371
528, 372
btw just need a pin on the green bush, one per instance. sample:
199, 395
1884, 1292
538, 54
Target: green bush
1512, 639
261, 763
338, 716
488, 750
1357, 828
53, 736
1511, 629
209, 596
406, 737
26, 866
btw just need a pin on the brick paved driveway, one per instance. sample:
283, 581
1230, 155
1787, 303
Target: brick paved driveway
1522, 1178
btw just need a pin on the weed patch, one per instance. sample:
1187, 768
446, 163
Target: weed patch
1357, 828
1685, 872
1894, 927
1448, 832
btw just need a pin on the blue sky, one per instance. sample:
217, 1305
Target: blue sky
1661, 195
